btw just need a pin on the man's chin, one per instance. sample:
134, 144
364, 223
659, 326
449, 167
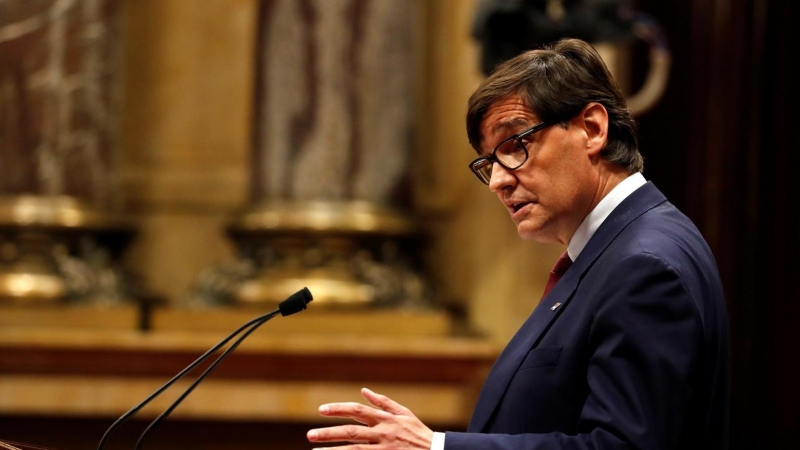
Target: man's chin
528, 232
534, 232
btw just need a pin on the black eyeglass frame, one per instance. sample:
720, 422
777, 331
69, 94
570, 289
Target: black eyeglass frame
491, 159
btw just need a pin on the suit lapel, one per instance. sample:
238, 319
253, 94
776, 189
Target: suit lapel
642, 200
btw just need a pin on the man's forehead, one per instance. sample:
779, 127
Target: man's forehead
507, 112
510, 123
505, 116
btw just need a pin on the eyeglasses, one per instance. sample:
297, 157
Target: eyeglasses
511, 154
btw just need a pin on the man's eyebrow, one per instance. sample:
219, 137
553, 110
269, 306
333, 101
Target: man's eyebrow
511, 123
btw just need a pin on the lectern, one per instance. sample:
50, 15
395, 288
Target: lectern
9, 445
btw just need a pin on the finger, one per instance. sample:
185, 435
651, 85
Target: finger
346, 447
343, 433
356, 411
385, 403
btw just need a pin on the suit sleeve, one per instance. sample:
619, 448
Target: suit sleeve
645, 345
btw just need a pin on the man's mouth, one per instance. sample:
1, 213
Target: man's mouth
518, 206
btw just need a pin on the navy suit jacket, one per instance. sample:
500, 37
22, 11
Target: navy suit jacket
635, 355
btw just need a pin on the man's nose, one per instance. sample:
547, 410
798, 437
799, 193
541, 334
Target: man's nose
501, 178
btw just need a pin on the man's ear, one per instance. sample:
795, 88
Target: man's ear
594, 121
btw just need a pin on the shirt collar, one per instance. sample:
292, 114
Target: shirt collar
595, 218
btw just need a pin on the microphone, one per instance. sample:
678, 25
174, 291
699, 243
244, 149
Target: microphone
295, 303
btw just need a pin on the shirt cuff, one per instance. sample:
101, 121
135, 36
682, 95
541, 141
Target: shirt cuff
437, 443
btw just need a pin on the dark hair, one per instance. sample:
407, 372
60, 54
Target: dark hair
557, 82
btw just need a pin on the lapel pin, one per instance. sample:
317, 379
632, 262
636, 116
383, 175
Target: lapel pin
553, 308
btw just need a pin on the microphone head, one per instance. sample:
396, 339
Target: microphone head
296, 302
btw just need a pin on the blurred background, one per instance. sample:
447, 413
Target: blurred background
170, 169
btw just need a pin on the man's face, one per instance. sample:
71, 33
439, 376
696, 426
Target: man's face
551, 193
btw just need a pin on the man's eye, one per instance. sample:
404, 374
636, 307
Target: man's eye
509, 148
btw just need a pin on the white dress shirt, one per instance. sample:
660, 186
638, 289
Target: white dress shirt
581, 237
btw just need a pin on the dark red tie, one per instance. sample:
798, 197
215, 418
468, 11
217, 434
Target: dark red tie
559, 268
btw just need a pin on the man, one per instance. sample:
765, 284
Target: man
629, 349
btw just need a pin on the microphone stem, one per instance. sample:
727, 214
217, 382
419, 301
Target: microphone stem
191, 388
180, 375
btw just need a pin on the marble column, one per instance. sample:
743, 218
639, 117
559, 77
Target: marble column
59, 98
333, 130
59, 94
334, 105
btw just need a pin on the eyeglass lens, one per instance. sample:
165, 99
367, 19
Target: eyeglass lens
483, 169
510, 154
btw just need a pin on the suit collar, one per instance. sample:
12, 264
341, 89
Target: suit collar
639, 202
601, 211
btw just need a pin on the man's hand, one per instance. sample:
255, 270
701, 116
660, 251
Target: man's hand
387, 426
